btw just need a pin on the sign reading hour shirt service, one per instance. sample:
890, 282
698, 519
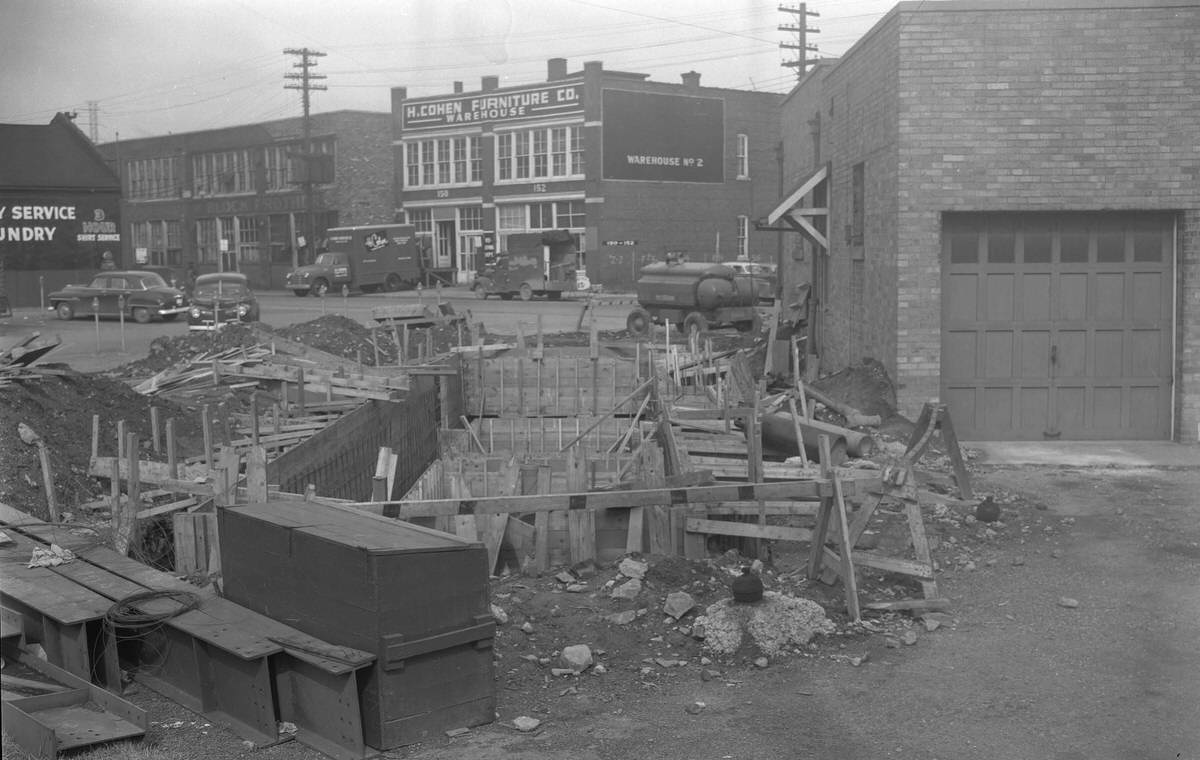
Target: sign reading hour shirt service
497, 105
53, 222
663, 138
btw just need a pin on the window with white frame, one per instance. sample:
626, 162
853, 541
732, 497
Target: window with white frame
150, 178
207, 241
226, 172
743, 237
277, 162
743, 157
543, 153
421, 219
441, 162
247, 236
470, 218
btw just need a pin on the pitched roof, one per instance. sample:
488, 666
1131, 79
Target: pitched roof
55, 155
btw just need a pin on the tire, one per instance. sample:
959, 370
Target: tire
638, 323
300, 293
480, 291
320, 287
393, 283
694, 323
141, 315
526, 291
65, 311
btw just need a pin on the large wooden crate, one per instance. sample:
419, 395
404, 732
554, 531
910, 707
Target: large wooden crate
414, 596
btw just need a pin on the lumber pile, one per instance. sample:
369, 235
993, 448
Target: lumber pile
19, 358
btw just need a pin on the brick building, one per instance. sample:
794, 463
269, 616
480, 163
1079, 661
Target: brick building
237, 198
634, 169
1000, 201
60, 208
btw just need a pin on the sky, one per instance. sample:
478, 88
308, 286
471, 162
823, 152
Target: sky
143, 68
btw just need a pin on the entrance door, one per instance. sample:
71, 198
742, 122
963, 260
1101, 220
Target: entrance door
443, 245
1058, 326
468, 252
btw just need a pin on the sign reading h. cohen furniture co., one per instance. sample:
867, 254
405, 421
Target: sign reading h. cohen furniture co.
508, 105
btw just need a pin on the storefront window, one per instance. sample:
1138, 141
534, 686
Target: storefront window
543, 153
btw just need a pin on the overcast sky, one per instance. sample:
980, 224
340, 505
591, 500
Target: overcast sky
151, 67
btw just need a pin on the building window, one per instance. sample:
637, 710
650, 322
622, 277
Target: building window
227, 172
858, 190
151, 178
743, 157
511, 217
247, 237
174, 243
470, 218
569, 214
421, 219
442, 162
207, 241
743, 237
544, 153
277, 165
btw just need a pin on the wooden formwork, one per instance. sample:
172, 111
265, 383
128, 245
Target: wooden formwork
553, 386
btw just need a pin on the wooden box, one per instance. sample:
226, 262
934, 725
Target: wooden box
416, 597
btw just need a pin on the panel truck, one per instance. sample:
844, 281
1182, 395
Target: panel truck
368, 258
535, 264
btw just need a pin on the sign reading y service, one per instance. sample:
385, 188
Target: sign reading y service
663, 138
497, 105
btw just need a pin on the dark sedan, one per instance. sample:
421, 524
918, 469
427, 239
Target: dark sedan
140, 295
221, 298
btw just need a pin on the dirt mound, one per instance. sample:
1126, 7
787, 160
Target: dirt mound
866, 387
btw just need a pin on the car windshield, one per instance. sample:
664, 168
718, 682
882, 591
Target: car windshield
223, 289
328, 259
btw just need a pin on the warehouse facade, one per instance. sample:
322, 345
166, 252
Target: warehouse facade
1001, 202
633, 169
253, 198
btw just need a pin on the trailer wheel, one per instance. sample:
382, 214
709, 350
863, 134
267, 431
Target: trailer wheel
526, 291
638, 323
695, 323
393, 283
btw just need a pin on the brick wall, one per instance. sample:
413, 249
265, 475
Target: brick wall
363, 168
1187, 419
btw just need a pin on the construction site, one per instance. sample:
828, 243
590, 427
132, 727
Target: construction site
366, 540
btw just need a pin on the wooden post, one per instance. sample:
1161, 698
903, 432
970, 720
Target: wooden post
817, 551
300, 393
254, 418
961, 477
126, 538
95, 435
155, 440
405, 344
172, 460
581, 523
796, 426
48, 481
115, 489
206, 425
541, 525
256, 475
375, 343
845, 547
120, 439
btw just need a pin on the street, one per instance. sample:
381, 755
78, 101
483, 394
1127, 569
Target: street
91, 347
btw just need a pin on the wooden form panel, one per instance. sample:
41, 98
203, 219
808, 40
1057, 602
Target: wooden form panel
553, 386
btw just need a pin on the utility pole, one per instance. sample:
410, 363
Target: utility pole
303, 81
93, 120
801, 29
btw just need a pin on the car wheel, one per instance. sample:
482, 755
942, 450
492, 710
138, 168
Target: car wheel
300, 293
526, 291
141, 315
65, 311
480, 291
638, 323
320, 287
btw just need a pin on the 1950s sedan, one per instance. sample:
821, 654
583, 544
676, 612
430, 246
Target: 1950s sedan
220, 299
141, 295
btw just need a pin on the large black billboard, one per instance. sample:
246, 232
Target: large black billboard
58, 230
663, 138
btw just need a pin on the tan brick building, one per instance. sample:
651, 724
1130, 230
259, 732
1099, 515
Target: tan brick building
1002, 204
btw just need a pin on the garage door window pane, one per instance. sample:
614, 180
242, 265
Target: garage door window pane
964, 247
1036, 247
1147, 245
1073, 248
1001, 247
1110, 245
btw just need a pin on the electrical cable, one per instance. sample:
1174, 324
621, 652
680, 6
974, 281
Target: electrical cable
125, 613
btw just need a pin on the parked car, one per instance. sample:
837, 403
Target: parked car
140, 294
221, 298
766, 278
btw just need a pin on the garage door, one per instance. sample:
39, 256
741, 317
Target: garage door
1057, 326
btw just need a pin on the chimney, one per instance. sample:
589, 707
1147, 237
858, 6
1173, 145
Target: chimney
691, 80
490, 83
458, 87
556, 68
399, 95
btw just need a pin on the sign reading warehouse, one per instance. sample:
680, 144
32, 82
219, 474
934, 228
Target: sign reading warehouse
507, 105
663, 138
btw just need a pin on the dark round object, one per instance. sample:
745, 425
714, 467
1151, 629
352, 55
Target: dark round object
747, 587
987, 510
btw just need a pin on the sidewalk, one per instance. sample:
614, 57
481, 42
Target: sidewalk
1115, 454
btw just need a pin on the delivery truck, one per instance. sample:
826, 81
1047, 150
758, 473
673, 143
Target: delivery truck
534, 264
368, 258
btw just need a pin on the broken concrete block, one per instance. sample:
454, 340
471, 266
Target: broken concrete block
678, 604
627, 590
778, 621
577, 657
631, 568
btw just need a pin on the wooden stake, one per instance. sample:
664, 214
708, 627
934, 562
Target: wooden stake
172, 461
155, 440
206, 425
95, 435
849, 582
120, 439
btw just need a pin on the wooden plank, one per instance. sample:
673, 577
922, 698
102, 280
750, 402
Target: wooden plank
581, 524
748, 530
911, 605
849, 582
541, 524
816, 554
